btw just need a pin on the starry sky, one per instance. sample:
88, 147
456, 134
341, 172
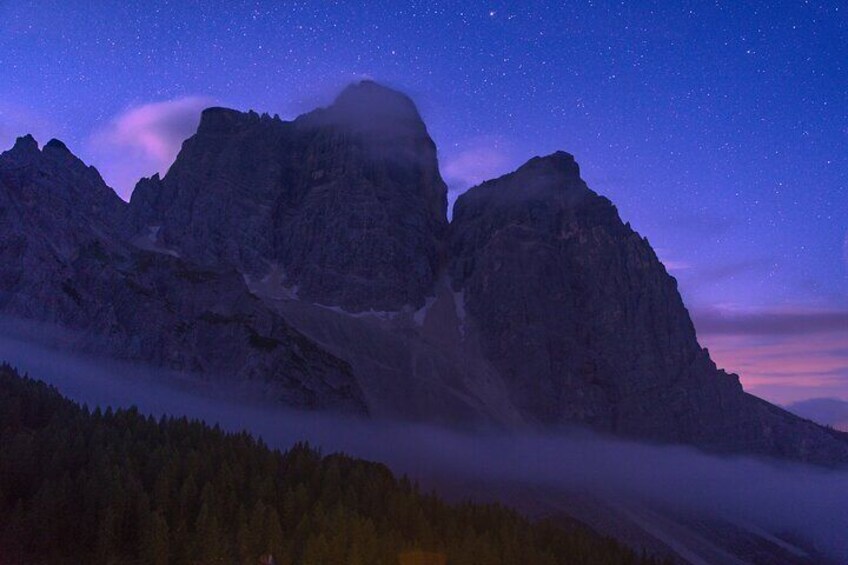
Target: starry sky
720, 129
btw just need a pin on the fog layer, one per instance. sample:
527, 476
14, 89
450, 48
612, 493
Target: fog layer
771, 498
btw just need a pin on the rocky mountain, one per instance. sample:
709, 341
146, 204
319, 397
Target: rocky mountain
65, 264
316, 255
346, 203
585, 325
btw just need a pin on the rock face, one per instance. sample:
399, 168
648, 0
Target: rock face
315, 256
64, 263
346, 202
585, 325
572, 305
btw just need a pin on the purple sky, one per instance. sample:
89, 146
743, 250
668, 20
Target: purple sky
719, 130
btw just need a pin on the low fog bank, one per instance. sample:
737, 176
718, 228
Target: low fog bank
774, 497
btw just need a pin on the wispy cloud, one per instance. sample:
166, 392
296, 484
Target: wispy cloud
477, 160
699, 276
734, 269
473, 161
784, 355
475, 165
772, 322
672, 265
145, 139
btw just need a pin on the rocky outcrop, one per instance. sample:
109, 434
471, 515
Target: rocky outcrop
586, 326
64, 263
573, 305
346, 202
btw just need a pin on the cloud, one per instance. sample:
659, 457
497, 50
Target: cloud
475, 161
671, 264
674, 265
780, 322
700, 277
734, 269
145, 139
784, 355
321, 92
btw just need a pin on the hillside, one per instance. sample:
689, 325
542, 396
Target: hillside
82, 486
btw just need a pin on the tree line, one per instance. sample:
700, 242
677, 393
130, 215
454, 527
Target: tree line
116, 486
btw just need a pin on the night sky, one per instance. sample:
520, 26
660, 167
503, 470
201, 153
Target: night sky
719, 130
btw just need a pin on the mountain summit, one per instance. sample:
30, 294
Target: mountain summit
370, 107
314, 256
346, 202
585, 325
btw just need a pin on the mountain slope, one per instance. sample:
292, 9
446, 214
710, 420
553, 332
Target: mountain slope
825, 411
64, 263
585, 325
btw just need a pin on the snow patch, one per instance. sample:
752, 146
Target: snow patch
421, 314
459, 305
272, 285
150, 242
378, 314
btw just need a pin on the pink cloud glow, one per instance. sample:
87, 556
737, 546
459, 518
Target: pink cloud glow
145, 139
784, 356
480, 159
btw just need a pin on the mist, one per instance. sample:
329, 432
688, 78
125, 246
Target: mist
538, 473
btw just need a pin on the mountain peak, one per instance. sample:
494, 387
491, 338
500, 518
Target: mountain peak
57, 145
219, 120
56, 151
558, 160
556, 170
376, 98
370, 107
549, 178
66, 185
360, 161
26, 150
25, 144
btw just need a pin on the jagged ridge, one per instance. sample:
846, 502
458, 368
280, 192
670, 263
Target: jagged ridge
65, 263
536, 306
